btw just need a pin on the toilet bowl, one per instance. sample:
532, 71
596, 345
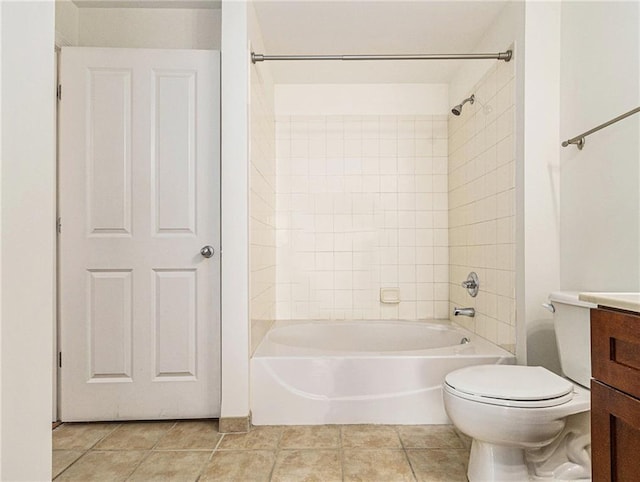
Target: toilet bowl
516, 415
506, 409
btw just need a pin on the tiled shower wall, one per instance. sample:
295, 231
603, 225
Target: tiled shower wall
361, 205
262, 206
482, 206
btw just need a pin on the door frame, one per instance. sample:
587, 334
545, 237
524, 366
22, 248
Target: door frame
59, 42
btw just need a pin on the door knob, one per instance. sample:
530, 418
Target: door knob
207, 251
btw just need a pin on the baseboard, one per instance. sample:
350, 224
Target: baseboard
235, 424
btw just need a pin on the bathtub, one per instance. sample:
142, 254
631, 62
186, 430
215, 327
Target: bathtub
381, 372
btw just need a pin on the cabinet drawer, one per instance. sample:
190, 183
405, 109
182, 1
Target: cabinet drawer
615, 429
615, 349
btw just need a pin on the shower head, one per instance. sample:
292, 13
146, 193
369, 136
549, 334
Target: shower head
457, 110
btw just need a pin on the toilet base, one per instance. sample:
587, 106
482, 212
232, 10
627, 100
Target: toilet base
496, 463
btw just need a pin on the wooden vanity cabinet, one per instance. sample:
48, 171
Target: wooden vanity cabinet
615, 395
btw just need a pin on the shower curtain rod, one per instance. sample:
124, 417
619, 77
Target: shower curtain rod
506, 56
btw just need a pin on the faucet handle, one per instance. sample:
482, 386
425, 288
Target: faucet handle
472, 284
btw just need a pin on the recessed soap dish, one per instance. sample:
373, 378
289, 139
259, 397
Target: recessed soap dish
390, 295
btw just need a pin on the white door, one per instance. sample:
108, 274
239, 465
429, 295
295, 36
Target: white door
139, 198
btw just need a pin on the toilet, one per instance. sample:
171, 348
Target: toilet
517, 415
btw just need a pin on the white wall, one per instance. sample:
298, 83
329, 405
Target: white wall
538, 181
361, 99
600, 236
27, 224
580, 225
262, 185
507, 28
235, 210
67, 14
170, 28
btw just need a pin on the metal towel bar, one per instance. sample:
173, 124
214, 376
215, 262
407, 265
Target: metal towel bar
579, 140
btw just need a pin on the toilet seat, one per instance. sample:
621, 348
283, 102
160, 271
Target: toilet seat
510, 386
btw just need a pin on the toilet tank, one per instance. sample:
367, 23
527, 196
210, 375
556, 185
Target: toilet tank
573, 335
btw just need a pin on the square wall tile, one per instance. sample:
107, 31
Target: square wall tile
481, 177
361, 196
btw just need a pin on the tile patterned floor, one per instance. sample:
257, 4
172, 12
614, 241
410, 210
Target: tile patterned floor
195, 451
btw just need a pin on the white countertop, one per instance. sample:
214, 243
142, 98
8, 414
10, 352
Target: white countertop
622, 301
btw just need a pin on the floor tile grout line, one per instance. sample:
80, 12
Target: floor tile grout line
397, 429
68, 424
276, 452
160, 437
208, 461
84, 451
348, 449
204, 466
273, 465
404, 451
215, 449
219, 442
140, 462
67, 467
105, 436
406, 456
164, 435
341, 441
149, 451
159, 451
153, 450
280, 437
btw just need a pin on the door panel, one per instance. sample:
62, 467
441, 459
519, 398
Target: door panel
109, 152
175, 327
139, 198
110, 320
174, 136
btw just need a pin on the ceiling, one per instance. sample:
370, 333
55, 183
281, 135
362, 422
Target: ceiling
371, 27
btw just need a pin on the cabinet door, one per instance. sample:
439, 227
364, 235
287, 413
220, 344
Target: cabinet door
615, 349
615, 434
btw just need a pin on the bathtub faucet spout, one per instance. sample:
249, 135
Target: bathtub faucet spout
464, 312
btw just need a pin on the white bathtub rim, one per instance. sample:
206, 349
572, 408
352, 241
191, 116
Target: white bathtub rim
478, 346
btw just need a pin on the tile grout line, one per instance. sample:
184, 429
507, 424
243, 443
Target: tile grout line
163, 435
276, 453
341, 442
150, 451
85, 451
406, 456
105, 436
142, 459
67, 467
215, 449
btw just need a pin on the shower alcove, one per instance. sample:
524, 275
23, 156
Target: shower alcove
361, 178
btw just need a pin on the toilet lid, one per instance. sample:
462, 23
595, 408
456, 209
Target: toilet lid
510, 385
